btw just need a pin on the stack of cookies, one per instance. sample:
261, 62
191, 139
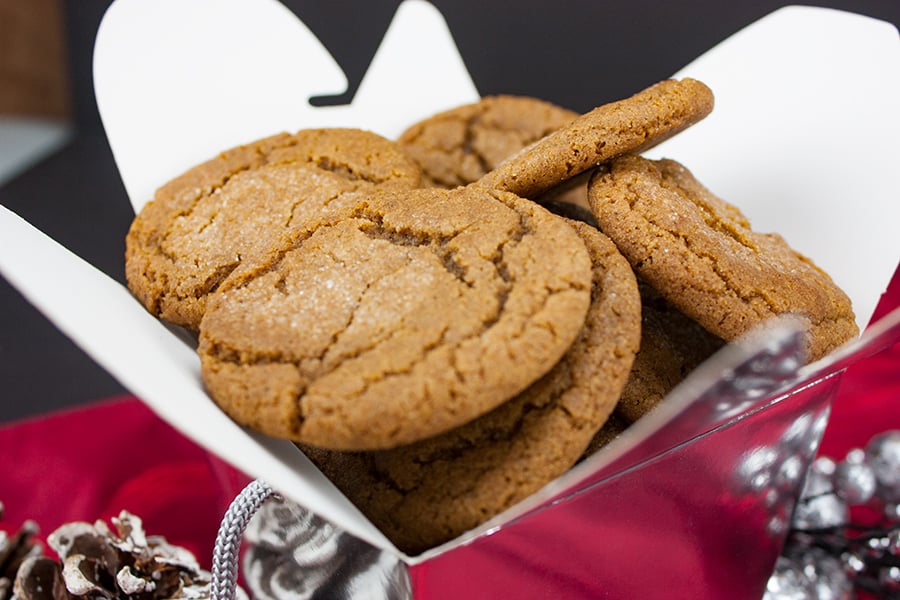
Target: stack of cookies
446, 322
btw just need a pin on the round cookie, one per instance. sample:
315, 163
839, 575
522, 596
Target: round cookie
461, 145
700, 253
631, 125
201, 225
424, 494
672, 345
410, 315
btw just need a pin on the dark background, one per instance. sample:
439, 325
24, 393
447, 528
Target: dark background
576, 54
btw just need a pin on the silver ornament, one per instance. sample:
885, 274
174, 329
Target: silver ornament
854, 482
820, 512
883, 455
891, 510
826, 550
827, 574
894, 542
853, 563
856, 456
788, 582
818, 479
789, 473
889, 578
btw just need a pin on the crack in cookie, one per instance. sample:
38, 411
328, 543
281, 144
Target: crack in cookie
700, 254
400, 339
461, 145
227, 209
426, 493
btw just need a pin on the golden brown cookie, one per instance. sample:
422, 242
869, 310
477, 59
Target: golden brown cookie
460, 145
201, 225
627, 126
427, 493
415, 313
672, 345
700, 253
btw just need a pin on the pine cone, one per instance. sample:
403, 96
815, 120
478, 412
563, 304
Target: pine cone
97, 562
14, 551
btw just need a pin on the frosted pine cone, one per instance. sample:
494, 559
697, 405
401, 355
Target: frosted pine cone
14, 550
97, 562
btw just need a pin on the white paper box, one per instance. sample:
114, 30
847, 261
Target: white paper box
798, 140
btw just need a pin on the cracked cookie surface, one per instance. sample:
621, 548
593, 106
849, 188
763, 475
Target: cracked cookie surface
459, 146
427, 493
632, 125
201, 225
701, 255
416, 312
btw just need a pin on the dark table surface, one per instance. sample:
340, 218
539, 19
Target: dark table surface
576, 54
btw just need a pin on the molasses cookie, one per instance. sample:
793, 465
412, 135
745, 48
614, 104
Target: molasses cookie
414, 313
200, 226
672, 345
701, 255
460, 145
627, 126
424, 494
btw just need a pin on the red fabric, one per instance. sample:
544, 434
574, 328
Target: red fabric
91, 463
869, 399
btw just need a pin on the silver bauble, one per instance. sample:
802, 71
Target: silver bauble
820, 512
889, 578
827, 575
818, 479
854, 482
788, 582
883, 455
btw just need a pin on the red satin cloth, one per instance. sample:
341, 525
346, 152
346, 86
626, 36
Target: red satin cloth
91, 463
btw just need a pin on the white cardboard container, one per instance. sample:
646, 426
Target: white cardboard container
802, 139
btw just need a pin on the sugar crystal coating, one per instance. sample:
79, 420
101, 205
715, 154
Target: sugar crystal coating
201, 225
429, 492
413, 314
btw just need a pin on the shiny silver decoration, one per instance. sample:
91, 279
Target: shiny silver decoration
883, 454
819, 507
892, 511
827, 575
295, 555
788, 582
820, 512
855, 483
889, 578
829, 552
774, 473
818, 480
